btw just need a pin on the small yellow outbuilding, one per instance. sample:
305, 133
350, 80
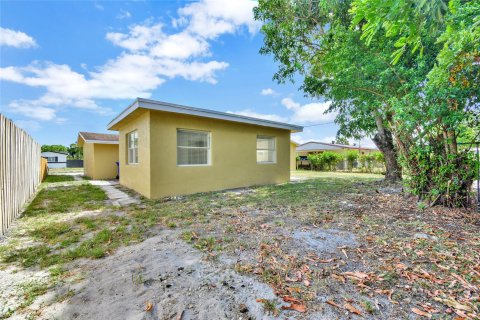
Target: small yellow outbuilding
100, 154
167, 149
293, 155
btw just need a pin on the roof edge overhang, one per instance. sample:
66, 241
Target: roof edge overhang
82, 138
175, 108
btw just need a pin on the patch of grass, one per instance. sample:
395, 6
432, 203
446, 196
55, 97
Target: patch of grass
270, 306
31, 290
67, 295
279, 223
28, 257
50, 232
58, 178
66, 199
368, 306
208, 244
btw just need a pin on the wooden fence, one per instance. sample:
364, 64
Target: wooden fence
20, 170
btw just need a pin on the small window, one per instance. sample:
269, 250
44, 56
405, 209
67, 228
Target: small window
266, 151
132, 141
193, 148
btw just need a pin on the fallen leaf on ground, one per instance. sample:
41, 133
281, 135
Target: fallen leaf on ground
454, 304
352, 309
291, 299
149, 306
421, 313
296, 307
338, 277
356, 274
333, 303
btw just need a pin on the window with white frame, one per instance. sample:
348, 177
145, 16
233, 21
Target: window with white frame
266, 151
193, 147
132, 146
52, 159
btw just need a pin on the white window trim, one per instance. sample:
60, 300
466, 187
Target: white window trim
209, 148
128, 147
274, 149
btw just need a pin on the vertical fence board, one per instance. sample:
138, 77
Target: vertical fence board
20, 171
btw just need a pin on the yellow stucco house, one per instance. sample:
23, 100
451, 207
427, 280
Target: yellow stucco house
100, 154
293, 155
167, 149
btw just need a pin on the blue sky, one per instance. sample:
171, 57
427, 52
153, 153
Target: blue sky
71, 66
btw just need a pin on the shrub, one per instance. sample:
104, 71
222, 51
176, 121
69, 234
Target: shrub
331, 159
366, 161
315, 161
351, 156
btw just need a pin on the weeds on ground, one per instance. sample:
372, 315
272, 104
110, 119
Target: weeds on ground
58, 178
66, 199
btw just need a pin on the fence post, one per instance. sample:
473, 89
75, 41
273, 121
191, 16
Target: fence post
20, 161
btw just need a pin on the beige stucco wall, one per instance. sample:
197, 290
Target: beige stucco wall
105, 157
88, 160
136, 176
293, 156
233, 156
99, 160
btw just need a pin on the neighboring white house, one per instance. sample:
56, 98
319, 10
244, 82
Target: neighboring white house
55, 159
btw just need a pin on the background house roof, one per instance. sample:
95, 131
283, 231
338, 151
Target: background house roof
93, 137
315, 146
60, 152
175, 108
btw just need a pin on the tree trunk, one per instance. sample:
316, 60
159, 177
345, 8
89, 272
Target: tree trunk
384, 141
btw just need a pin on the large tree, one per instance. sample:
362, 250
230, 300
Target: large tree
314, 39
442, 107
404, 72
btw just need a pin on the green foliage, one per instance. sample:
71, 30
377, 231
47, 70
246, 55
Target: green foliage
436, 179
67, 199
378, 157
75, 152
54, 148
351, 156
58, 178
369, 160
326, 160
366, 162
409, 68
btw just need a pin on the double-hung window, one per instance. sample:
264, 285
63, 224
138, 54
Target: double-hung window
132, 146
193, 148
266, 151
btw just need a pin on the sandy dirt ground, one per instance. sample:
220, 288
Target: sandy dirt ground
256, 253
168, 278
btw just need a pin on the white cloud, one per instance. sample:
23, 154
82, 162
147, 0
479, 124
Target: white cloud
268, 92
17, 39
253, 114
124, 14
32, 109
139, 37
151, 56
310, 112
211, 18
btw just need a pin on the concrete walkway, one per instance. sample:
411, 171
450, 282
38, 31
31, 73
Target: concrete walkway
118, 198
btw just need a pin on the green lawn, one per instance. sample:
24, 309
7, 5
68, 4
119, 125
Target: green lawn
58, 178
256, 224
